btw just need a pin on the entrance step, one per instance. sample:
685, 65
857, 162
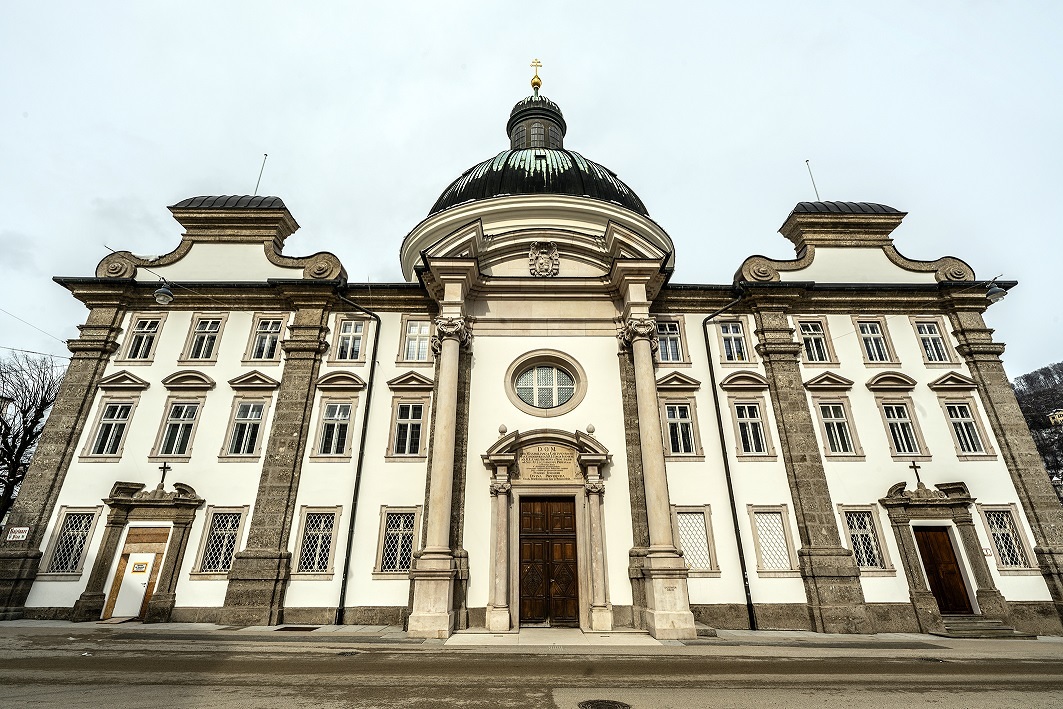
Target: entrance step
976, 626
704, 631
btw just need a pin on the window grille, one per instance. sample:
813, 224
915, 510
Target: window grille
680, 428
350, 341
771, 538
874, 342
836, 428
112, 429
245, 429
694, 539
417, 340
220, 546
902, 432
671, 348
555, 137
204, 338
864, 538
1010, 550
520, 137
932, 341
538, 136
143, 338
70, 544
734, 342
814, 341
267, 336
964, 428
178, 432
396, 551
750, 428
408, 429
545, 386
337, 419
317, 542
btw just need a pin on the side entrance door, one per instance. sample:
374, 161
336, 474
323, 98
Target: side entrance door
943, 570
138, 568
549, 593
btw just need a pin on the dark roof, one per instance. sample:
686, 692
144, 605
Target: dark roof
231, 202
538, 171
535, 106
844, 208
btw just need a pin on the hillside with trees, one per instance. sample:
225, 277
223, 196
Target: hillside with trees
1040, 392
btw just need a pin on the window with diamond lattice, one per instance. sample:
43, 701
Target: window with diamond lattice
773, 548
316, 550
863, 534
70, 544
545, 386
396, 551
222, 538
1010, 549
694, 540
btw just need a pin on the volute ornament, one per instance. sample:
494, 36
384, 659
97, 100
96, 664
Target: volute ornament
500, 488
639, 329
595, 488
450, 328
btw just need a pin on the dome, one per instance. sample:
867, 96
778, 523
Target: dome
537, 163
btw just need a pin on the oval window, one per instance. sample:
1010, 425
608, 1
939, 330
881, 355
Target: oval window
545, 386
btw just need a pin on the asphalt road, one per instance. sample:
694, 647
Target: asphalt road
104, 670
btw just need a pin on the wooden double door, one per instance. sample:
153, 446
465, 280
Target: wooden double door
943, 570
549, 588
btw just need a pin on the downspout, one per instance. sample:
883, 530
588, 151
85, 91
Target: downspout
361, 460
726, 457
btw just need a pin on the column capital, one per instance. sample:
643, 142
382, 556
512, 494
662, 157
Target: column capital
595, 488
453, 327
639, 328
500, 488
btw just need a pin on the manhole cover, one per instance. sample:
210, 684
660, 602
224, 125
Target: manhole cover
603, 704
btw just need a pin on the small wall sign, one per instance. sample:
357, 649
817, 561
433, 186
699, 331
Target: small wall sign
140, 567
18, 534
987, 551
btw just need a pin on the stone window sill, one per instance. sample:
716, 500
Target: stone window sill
839, 458
912, 458
239, 458
415, 362
747, 458
99, 458
818, 365
198, 362
170, 458
134, 362
261, 362
391, 575
881, 364
673, 364
777, 574
878, 572
704, 573
308, 576
209, 576
329, 458
1003, 572
405, 458
685, 457
55, 576
978, 456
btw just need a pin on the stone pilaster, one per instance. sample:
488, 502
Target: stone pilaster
1038, 498
89, 606
498, 611
832, 581
164, 598
667, 614
260, 573
19, 561
926, 606
601, 610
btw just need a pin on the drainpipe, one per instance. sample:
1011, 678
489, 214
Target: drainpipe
361, 459
740, 292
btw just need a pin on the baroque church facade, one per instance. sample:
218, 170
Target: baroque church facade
537, 428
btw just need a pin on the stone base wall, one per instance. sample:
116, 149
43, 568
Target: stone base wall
48, 613
623, 617
1037, 617
893, 617
725, 616
782, 616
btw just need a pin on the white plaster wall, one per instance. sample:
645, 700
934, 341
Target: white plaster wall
212, 261
855, 265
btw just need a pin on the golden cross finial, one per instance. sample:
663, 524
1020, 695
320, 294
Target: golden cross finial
536, 82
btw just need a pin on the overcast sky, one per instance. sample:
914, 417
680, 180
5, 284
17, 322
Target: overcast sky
950, 111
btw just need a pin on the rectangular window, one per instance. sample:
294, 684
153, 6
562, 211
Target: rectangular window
693, 530
771, 536
836, 429
408, 420
671, 341
873, 341
336, 421
932, 341
864, 537
349, 340
69, 545
315, 551
267, 338
680, 429
177, 433
1007, 542
901, 429
223, 536
416, 340
112, 428
750, 429
814, 341
204, 338
245, 430
397, 540
142, 338
734, 342
964, 428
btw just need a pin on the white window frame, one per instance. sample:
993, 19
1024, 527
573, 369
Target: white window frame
742, 337
343, 319
378, 568
404, 337
253, 338
678, 336
886, 568
758, 400
87, 454
1033, 569
127, 345
297, 553
947, 400
156, 452
696, 453
782, 510
193, 336
396, 405
906, 401
828, 346
57, 531
347, 449
226, 454
947, 351
208, 519
890, 351
834, 399
713, 569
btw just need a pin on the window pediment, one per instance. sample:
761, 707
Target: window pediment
676, 381
188, 380
123, 381
744, 381
341, 380
253, 380
891, 381
953, 381
829, 381
411, 381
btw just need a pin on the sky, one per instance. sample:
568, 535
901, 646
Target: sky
950, 111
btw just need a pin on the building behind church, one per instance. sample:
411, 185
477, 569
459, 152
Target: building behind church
537, 428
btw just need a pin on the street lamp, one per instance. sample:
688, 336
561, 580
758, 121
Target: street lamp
163, 294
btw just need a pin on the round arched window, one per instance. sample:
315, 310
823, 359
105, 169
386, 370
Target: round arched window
545, 386
546, 383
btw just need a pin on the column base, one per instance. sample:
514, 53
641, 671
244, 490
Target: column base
667, 614
433, 613
18, 569
602, 617
832, 586
88, 607
498, 619
926, 612
255, 595
160, 607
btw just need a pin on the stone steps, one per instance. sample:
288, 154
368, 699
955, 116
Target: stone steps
976, 626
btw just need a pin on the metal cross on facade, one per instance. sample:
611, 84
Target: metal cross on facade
165, 468
914, 466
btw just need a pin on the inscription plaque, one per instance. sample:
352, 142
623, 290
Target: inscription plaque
547, 462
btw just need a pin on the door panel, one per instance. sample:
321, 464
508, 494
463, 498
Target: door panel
134, 586
549, 588
943, 570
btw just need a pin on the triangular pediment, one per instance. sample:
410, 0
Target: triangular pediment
253, 380
829, 381
953, 381
341, 380
891, 381
677, 381
411, 381
188, 379
123, 381
744, 381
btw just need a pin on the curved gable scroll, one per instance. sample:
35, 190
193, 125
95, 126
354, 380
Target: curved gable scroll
589, 451
891, 381
188, 380
744, 381
336, 381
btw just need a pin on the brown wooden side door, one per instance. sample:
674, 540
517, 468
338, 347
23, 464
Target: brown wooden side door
943, 570
549, 591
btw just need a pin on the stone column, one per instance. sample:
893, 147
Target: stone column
601, 610
667, 614
89, 606
832, 579
498, 611
163, 600
19, 561
433, 573
1017, 448
260, 573
991, 602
